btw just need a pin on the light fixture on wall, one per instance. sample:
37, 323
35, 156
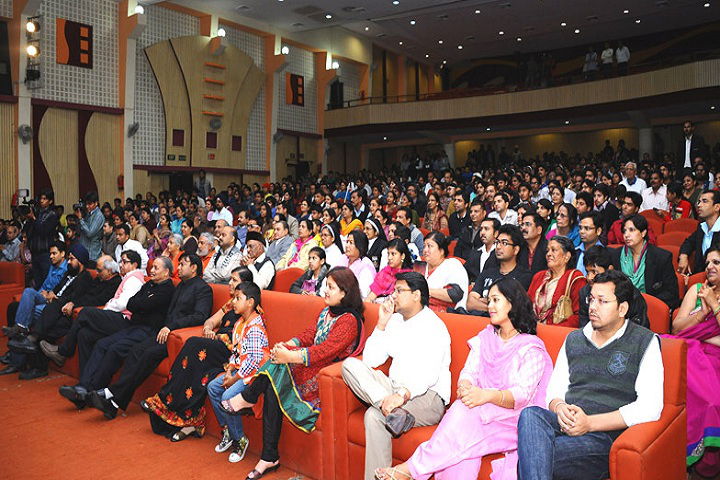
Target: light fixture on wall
285, 50
335, 65
32, 25
221, 32
139, 9
32, 50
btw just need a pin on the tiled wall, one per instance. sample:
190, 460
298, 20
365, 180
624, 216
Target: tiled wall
6, 8
293, 117
254, 47
65, 83
349, 74
162, 24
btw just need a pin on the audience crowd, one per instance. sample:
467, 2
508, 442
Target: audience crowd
567, 240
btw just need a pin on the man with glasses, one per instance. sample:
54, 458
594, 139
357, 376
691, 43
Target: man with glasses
508, 245
617, 381
706, 235
417, 388
590, 229
533, 257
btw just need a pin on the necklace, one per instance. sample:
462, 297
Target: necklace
511, 336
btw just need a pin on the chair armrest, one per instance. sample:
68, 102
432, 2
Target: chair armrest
653, 450
177, 339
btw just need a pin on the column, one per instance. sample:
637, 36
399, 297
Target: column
645, 141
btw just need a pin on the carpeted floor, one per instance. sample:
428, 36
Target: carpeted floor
43, 436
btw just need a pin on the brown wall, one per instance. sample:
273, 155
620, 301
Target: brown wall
8, 167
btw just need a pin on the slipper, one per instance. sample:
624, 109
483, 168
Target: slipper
180, 435
254, 475
383, 474
228, 408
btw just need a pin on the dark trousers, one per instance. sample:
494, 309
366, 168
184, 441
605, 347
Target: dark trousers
143, 358
272, 416
11, 312
39, 268
108, 354
91, 325
52, 324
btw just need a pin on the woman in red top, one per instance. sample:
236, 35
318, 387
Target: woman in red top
678, 207
549, 285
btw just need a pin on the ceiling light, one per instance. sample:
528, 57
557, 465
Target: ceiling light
444, 62
563, 24
285, 50
459, 47
440, 42
412, 22
427, 55
706, 5
400, 42
577, 30
32, 26
139, 9
384, 138
712, 108
501, 32
396, 2
335, 65
477, 12
487, 129
367, 29
32, 50
637, 21
567, 122
328, 16
221, 32
519, 39
626, 11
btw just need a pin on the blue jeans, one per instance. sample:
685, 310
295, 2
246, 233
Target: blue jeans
30, 307
545, 453
217, 394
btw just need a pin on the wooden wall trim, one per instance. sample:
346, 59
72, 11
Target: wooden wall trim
164, 169
8, 99
314, 136
77, 106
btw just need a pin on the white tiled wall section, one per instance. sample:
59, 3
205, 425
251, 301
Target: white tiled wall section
293, 117
162, 24
64, 83
6, 8
349, 75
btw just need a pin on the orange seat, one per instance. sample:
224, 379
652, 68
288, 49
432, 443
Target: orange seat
699, 277
672, 238
285, 278
424, 231
674, 250
682, 284
658, 313
451, 248
687, 225
616, 245
445, 232
657, 224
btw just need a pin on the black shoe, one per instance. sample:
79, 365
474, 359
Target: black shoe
23, 345
5, 358
77, 395
9, 370
15, 330
103, 404
399, 421
32, 374
145, 407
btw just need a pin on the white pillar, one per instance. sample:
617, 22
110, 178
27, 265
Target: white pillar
450, 152
274, 108
645, 141
129, 118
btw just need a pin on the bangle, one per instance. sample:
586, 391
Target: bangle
716, 310
561, 402
502, 398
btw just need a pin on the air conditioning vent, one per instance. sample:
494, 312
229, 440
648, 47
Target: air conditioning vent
242, 8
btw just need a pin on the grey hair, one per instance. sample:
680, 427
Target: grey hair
167, 263
177, 238
208, 236
111, 266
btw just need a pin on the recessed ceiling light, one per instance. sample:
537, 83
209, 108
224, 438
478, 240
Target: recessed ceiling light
400, 42
712, 108
328, 16
706, 5
412, 22
221, 32
567, 122
626, 11
427, 55
384, 138
459, 47
396, 2
487, 129
477, 12
440, 42
577, 30
501, 32
519, 39
138, 9
285, 50
367, 29
444, 62
637, 21
563, 24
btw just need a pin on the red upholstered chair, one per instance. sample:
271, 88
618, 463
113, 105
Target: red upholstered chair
12, 283
672, 238
682, 284
687, 225
674, 249
699, 277
285, 278
654, 221
451, 247
658, 314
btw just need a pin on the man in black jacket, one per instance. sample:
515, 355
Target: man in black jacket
705, 236
149, 308
189, 307
532, 256
42, 232
460, 218
469, 238
690, 147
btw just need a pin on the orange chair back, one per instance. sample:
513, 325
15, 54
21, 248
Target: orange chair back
616, 245
221, 294
424, 231
682, 284
699, 277
451, 248
285, 278
658, 314
687, 225
672, 238
655, 222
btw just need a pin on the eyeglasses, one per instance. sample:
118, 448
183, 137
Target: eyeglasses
504, 243
601, 301
125, 261
400, 290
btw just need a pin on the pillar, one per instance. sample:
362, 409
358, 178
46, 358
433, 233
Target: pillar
450, 152
645, 141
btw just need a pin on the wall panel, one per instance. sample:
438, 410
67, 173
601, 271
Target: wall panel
103, 150
8, 179
58, 143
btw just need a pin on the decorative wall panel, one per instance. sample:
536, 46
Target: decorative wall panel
6, 9
8, 168
293, 117
58, 147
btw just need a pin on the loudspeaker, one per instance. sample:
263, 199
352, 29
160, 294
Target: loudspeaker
132, 129
25, 132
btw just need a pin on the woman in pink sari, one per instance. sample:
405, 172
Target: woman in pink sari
698, 323
507, 370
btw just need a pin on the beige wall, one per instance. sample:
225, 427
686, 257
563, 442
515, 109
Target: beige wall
8, 179
150, 182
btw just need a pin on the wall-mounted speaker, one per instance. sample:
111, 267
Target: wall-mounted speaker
25, 132
133, 129
215, 124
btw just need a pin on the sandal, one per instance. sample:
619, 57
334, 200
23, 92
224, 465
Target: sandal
254, 475
389, 474
227, 407
180, 435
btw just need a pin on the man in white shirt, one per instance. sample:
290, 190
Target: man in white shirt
418, 387
654, 197
617, 382
622, 55
606, 59
122, 235
502, 211
228, 257
221, 211
631, 181
259, 264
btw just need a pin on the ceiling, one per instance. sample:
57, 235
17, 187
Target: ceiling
473, 24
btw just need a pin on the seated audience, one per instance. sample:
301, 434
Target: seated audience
435, 218
295, 364
399, 260
630, 206
124, 243
377, 241
160, 238
398, 230
259, 264
282, 241
138, 232
507, 370
484, 257
502, 211
555, 291
331, 243
706, 235
460, 217
590, 229
566, 224
108, 242
648, 267
418, 385
446, 277
697, 324
589, 402
677, 207
404, 216
189, 236
296, 255
356, 260
533, 257
311, 282
206, 248
10, 250
226, 258
609, 213
173, 252
348, 220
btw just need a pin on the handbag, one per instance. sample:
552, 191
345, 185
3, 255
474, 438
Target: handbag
563, 309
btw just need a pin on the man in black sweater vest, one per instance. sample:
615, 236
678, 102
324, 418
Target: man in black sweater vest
608, 376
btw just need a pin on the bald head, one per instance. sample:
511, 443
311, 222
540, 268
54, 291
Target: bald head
226, 236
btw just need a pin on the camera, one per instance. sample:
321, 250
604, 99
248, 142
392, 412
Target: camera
80, 205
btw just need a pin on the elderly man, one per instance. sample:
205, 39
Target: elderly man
206, 248
190, 306
225, 259
262, 268
281, 242
149, 307
418, 387
631, 182
124, 243
608, 376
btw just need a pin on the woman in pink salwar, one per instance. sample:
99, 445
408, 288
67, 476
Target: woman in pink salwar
697, 323
507, 370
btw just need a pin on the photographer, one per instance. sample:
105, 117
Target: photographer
91, 222
43, 223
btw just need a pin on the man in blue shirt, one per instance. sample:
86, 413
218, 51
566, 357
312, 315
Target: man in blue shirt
91, 224
590, 230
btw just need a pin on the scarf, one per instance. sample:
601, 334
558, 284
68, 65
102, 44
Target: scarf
634, 271
299, 243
